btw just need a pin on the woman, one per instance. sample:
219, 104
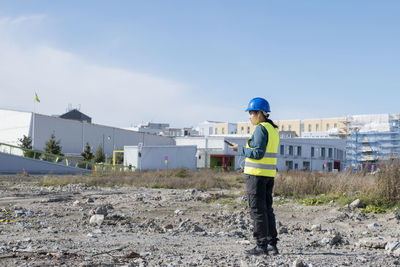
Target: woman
260, 169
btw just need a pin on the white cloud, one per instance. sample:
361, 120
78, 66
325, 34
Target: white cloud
21, 19
112, 96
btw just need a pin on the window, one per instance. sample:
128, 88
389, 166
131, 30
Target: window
330, 166
312, 151
282, 150
306, 165
223, 130
317, 127
216, 130
322, 152
248, 129
330, 152
291, 150
242, 129
283, 127
210, 130
290, 127
296, 166
327, 126
335, 125
289, 165
309, 127
299, 151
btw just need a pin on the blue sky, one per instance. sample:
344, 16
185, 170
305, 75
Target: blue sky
184, 62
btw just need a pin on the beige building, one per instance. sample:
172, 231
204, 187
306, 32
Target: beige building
290, 125
245, 128
324, 125
298, 126
223, 128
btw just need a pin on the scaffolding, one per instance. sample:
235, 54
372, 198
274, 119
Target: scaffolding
372, 138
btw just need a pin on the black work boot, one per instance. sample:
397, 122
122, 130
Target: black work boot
257, 250
274, 250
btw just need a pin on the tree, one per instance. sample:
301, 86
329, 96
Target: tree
53, 147
26, 143
99, 156
87, 153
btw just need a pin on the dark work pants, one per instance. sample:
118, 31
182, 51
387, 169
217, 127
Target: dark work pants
259, 196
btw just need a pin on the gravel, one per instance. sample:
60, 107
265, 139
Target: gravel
79, 225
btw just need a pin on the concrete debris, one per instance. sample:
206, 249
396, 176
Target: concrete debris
96, 219
316, 227
372, 242
298, 263
356, 204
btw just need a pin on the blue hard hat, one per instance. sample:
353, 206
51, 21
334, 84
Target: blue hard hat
258, 103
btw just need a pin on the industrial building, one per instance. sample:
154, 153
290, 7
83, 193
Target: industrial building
74, 134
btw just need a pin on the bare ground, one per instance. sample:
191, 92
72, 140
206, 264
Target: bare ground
50, 226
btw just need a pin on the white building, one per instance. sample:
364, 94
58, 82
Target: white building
207, 128
160, 157
73, 134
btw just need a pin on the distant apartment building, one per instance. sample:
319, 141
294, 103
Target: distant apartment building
207, 127
245, 128
290, 125
150, 127
225, 128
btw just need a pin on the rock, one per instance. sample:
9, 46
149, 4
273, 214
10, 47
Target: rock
325, 241
96, 219
283, 230
76, 203
28, 213
332, 239
167, 226
372, 242
19, 213
356, 204
89, 200
335, 238
373, 225
316, 227
197, 228
298, 263
178, 212
97, 231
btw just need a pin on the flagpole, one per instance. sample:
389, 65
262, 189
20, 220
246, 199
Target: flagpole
33, 121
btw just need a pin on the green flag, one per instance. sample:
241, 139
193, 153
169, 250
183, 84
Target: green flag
37, 98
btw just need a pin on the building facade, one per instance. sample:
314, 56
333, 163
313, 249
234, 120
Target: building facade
226, 128
73, 134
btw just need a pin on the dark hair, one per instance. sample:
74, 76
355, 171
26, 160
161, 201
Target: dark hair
270, 121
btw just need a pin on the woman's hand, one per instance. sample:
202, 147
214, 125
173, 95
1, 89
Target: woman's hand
234, 147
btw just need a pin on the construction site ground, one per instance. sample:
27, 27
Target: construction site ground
78, 225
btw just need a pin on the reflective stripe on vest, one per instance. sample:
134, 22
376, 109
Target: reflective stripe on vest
266, 166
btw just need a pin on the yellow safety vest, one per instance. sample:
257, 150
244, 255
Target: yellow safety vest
265, 166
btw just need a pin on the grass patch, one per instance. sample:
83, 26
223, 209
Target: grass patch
377, 191
172, 179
